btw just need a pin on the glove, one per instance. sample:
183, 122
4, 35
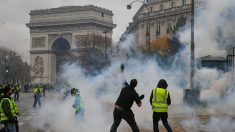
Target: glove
141, 97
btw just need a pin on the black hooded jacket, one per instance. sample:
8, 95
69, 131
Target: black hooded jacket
127, 97
161, 84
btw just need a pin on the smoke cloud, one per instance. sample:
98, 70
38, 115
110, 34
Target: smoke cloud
213, 28
100, 92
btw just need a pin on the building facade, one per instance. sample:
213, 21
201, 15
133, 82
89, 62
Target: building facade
164, 17
60, 31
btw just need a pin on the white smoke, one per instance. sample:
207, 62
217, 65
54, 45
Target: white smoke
219, 111
99, 105
208, 18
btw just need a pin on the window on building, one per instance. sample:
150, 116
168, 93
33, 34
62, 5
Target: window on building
168, 26
151, 9
102, 14
161, 7
172, 4
158, 28
147, 30
184, 2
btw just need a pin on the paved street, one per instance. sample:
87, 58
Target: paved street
27, 111
179, 121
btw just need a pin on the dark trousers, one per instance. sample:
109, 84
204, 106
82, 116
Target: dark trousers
16, 96
37, 100
127, 115
2, 129
156, 118
16, 126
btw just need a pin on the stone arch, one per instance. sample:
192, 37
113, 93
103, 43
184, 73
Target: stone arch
60, 44
60, 47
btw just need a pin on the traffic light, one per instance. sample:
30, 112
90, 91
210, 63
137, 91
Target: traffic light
7, 69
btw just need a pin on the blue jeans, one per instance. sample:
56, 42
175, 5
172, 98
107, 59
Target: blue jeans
10, 127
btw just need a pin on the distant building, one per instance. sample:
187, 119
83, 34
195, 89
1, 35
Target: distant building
57, 34
166, 17
218, 63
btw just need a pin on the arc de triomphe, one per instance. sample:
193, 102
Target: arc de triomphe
62, 29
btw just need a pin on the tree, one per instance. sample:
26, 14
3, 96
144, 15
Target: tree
12, 68
93, 52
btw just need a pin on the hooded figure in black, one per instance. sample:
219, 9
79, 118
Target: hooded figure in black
158, 114
123, 106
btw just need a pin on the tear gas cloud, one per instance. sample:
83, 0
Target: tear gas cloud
99, 105
213, 83
216, 14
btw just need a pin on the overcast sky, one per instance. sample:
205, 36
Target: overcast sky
14, 14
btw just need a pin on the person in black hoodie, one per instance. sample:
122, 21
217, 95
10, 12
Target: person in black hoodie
122, 109
160, 99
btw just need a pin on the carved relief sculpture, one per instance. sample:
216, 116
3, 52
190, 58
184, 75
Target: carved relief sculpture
38, 66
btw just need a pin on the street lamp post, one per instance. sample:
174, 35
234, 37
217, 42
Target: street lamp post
192, 47
148, 25
192, 95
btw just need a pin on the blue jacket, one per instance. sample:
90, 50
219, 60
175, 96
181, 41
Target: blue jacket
77, 103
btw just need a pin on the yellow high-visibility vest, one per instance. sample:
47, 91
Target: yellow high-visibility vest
35, 90
159, 100
16, 108
17, 88
13, 107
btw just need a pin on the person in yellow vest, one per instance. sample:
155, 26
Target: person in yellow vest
38, 92
9, 111
160, 99
16, 92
